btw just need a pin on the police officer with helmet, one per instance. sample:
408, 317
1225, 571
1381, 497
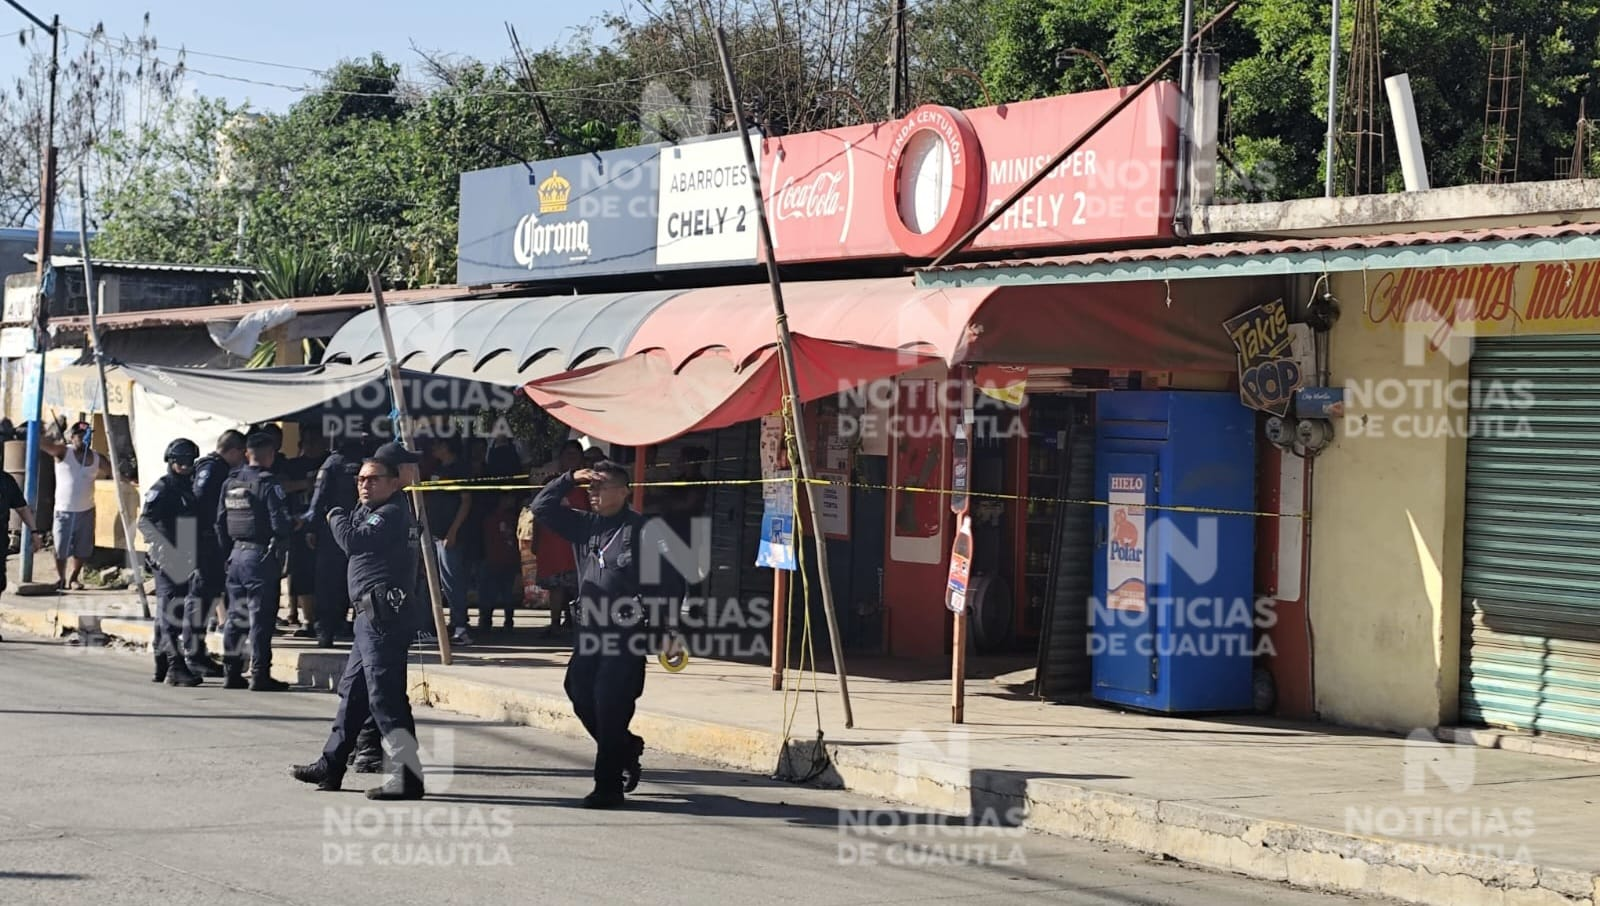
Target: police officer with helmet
254, 520
383, 567
171, 532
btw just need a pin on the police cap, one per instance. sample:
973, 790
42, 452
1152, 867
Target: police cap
393, 455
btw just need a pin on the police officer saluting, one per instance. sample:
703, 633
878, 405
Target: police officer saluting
606, 674
382, 586
254, 519
171, 532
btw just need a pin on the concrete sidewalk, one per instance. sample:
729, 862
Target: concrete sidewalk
1312, 806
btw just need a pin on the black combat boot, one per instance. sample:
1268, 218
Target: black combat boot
262, 682
400, 783
318, 772
404, 778
179, 674
368, 756
206, 665
161, 667
234, 670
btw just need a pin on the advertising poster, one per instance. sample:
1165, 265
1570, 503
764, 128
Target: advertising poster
1125, 545
960, 567
1269, 370
777, 524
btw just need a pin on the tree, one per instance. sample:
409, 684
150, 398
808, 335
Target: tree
172, 204
99, 76
1275, 63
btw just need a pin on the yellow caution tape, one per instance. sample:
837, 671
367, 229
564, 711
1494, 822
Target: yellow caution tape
460, 487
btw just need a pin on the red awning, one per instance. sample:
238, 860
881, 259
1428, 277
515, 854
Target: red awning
706, 359
641, 399
1141, 326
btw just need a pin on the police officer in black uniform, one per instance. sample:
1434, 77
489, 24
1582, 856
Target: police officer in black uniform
382, 586
168, 521
335, 488
605, 676
254, 520
210, 472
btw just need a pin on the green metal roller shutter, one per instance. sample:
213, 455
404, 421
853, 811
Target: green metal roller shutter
1531, 561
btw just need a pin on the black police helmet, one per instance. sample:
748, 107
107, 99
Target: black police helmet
183, 450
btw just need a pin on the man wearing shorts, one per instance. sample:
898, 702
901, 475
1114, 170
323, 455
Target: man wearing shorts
77, 469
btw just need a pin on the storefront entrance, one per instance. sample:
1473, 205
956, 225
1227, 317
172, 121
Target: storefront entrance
1530, 621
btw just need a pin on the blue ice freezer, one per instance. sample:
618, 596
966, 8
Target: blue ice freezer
1172, 619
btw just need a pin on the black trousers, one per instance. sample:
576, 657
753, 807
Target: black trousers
604, 687
373, 688
253, 588
180, 626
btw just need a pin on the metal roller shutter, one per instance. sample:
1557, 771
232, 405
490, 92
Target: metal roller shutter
1531, 553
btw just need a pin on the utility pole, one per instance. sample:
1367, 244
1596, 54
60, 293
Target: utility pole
1333, 102
898, 70
801, 453
41, 317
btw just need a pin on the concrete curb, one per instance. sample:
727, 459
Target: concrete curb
1298, 855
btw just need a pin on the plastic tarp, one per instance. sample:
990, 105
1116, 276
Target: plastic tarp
157, 421
255, 394
643, 399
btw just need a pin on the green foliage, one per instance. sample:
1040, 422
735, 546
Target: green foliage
1275, 65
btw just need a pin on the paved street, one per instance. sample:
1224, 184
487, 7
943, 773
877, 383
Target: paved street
121, 791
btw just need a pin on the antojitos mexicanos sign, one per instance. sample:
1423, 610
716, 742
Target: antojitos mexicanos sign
1489, 299
901, 189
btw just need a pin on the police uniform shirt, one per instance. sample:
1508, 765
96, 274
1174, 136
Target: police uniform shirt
269, 509
335, 486
11, 498
168, 502
377, 541
210, 473
606, 546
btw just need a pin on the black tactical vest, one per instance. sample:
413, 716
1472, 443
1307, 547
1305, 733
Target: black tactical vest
246, 510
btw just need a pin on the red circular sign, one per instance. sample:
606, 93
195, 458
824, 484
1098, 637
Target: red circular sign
952, 129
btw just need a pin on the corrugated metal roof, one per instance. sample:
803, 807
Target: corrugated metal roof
1283, 256
105, 264
306, 305
1312, 245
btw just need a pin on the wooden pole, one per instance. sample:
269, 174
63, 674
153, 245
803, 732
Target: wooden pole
791, 379
958, 669
105, 398
780, 613
430, 562
961, 505
1044, 171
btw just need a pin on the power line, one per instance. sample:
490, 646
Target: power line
575, 93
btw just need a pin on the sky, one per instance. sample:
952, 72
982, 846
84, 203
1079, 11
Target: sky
305, 33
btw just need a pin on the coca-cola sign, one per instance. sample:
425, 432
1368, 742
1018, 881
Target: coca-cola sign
822, 192
818, 198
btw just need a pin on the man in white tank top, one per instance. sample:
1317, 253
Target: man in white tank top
77, 469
